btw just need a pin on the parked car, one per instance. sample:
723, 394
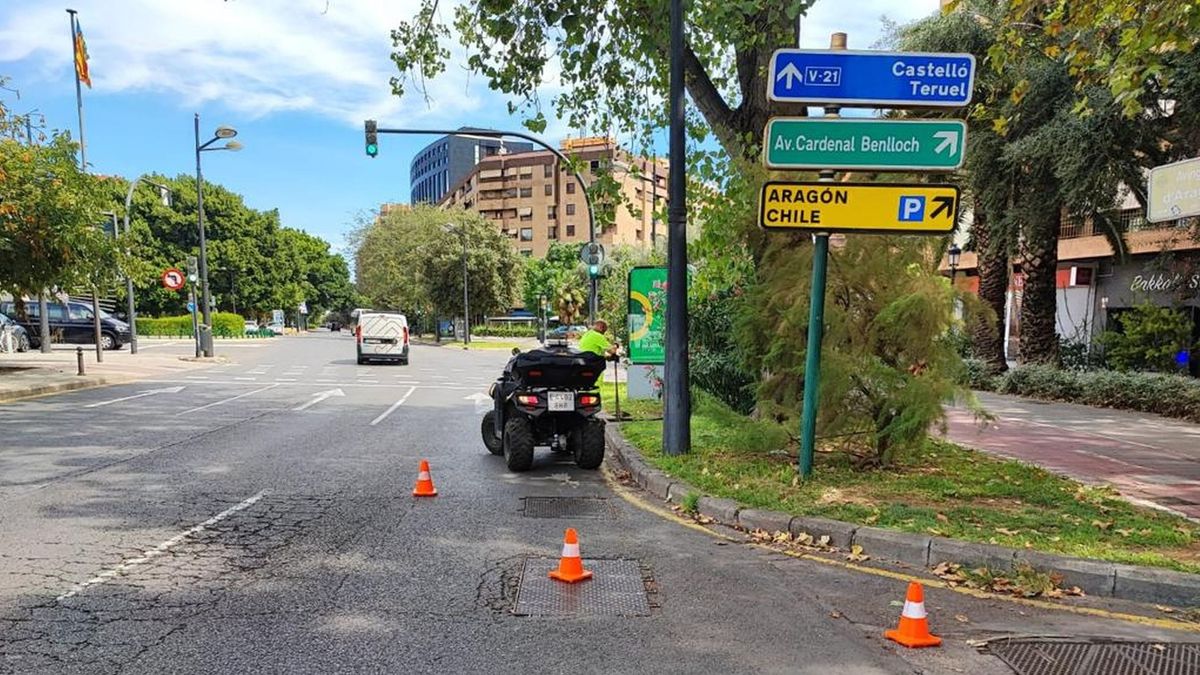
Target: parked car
382, 336
251, 327
275, 327
71, 321
20, 337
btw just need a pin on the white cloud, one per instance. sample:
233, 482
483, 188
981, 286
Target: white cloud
259, 57
255, 56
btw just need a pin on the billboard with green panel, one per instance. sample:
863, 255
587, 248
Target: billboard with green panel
647, 317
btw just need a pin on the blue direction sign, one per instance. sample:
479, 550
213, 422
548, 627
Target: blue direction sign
870, 79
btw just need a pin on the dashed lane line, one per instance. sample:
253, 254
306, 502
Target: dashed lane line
395, 405
150, 554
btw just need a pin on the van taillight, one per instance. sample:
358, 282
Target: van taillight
406, 335
358, 332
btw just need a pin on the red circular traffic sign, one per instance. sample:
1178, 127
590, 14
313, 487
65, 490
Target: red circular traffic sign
173, 279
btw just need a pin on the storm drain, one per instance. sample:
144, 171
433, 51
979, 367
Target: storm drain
616, 589
567, 507
1061, 657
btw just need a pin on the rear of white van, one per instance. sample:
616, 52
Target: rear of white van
382, 337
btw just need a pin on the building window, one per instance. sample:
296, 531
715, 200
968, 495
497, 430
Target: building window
527, 192
547, 170
570, 209
595, 165
570, 230
640, 235
549, 189
526, 234
528, 217
571, 188
552, 233
551, 212
527, 252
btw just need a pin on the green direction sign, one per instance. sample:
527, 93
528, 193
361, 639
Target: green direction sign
647, 315
883, 145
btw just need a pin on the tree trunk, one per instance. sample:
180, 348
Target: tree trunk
1039, 261
988, 332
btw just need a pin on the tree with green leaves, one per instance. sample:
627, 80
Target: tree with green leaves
542, 276
409, 260
51, 217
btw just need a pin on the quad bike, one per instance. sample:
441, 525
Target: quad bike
547, 397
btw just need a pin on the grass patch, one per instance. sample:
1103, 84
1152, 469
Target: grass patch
639, 409
941, 489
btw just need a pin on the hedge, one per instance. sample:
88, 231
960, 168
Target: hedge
1175, 396
505, 331
225, 324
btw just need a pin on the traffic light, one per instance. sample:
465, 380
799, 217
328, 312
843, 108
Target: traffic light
593, 271
372, 138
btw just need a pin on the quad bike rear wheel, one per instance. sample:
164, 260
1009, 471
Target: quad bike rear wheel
589, 448
493, 442
518, 444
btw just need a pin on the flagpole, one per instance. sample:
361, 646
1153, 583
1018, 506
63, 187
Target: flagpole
78, 95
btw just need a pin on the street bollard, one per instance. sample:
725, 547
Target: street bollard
79, 359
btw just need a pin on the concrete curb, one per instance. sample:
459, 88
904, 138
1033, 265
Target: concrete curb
85, 382
1095, 577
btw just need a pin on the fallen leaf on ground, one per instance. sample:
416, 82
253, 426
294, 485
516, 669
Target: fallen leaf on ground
782, 538
961, 618
941, 518
1165, 610
856, 554
823, 541
1102, 524
1005, 530
871, 520
835, 614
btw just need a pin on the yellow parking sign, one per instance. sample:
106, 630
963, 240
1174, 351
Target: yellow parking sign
858, 207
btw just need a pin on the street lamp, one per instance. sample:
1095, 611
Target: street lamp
223, 132
165, 194
462, 231
953, 254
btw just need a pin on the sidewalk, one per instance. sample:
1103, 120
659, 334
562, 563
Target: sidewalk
1146, 457
34, 373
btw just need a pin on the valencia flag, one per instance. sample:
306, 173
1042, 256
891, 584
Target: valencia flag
81, 57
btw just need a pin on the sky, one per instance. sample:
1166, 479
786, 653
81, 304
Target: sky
296, 78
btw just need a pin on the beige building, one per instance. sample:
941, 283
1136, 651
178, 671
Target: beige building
536, 201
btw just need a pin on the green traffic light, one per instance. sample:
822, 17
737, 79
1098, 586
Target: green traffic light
594, 270
372, 149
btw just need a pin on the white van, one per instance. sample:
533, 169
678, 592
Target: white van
381, 336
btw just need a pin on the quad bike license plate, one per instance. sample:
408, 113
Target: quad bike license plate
557, 401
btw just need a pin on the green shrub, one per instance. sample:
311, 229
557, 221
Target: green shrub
975, 375
225, 324
1168, 395
714, 362
505, 331
1079, 355
1150, 338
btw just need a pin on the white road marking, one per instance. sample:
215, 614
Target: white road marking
196, 377
151, 392
227, 400
318, 397
245, 379
148, 554
285, 379
395, 405
348, 385
368, 381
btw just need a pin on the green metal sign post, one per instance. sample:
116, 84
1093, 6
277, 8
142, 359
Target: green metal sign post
647, 315
868, 144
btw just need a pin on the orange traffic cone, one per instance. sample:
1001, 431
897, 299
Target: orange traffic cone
913, 630
424, 486
570, 567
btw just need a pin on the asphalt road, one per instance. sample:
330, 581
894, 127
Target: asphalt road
260, 520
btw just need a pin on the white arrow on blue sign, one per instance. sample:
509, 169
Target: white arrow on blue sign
870, 78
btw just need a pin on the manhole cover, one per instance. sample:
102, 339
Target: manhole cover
1062, 657
616, 589
567, 507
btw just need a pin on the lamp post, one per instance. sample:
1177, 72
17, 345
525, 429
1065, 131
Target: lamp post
165, 193
462, 233
953, 255
222, 133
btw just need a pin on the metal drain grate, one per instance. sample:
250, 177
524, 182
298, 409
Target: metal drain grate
1061, 657
567, 507
617, 589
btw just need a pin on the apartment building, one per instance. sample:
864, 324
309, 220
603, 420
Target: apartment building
533, 199
444, 162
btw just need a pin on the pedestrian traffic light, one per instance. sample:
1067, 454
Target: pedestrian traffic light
372, 138
593, 271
